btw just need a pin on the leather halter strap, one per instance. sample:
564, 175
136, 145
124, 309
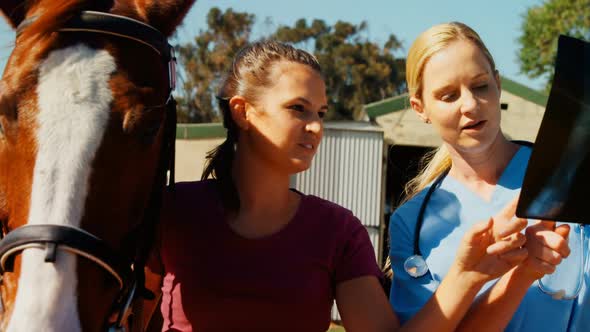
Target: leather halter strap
73, 239
119, 26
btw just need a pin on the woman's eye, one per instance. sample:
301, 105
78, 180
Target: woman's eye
297, 107
448, 97
322, 114
481, 86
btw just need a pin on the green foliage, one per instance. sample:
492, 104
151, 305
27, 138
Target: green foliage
540, 30
207, 59
357, 71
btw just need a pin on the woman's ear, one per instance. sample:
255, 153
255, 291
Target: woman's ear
237, 106
498, 80
418, 107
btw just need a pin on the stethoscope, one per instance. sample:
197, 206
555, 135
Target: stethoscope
415, 265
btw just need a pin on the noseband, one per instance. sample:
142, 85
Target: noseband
128, 272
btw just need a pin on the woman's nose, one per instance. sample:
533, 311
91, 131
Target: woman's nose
314, 126
469, 102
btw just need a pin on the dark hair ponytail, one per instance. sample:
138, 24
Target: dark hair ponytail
221, 159
249, 73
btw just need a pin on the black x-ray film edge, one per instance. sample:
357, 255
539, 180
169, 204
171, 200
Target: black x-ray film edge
557, 180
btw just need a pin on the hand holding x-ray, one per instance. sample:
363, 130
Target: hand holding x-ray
557, 181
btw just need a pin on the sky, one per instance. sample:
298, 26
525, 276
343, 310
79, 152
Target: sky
497, 22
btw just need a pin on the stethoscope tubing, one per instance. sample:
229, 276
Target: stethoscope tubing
420, 218
415, 265
409, 264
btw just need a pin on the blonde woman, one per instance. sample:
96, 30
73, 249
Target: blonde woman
454, 86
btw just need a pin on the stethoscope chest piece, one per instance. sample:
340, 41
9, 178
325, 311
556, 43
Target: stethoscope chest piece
415, 266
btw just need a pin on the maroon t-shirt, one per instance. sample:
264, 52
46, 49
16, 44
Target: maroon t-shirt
217, 280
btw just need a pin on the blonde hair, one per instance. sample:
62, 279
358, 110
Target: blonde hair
424, 47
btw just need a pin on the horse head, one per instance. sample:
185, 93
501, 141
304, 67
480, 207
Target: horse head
85, 113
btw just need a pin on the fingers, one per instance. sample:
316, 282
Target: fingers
543, 238
515, 241
505, 223
478, 230
508, 211
563, 230
550, 225
541, 266
545, 254
513, 226
515, 256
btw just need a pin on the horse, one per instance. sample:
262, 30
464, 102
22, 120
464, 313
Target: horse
87, 127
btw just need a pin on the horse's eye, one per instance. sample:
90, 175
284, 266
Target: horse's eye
143, 124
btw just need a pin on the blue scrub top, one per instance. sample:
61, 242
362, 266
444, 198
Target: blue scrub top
451, 211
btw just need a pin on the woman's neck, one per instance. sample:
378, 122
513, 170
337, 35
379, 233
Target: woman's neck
482, 168
266, 203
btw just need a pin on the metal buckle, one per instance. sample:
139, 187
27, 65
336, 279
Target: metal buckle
124, 311
172, 70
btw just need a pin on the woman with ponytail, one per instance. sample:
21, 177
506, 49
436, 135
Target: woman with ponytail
242, 251
454, 86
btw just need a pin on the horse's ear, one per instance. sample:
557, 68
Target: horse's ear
164, 15
13, 11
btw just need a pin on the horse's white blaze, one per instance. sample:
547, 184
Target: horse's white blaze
74, 103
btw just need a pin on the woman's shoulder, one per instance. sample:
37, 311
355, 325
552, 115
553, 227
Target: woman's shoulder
328, 218
411, 207
195, 187
189, 207
188, 197
191, 190
326, 209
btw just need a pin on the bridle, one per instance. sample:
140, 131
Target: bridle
128, 271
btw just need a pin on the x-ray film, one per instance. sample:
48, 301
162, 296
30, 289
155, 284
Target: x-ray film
557, 181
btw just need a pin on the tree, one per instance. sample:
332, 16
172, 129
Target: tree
540, 30
207, 59
357, 71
